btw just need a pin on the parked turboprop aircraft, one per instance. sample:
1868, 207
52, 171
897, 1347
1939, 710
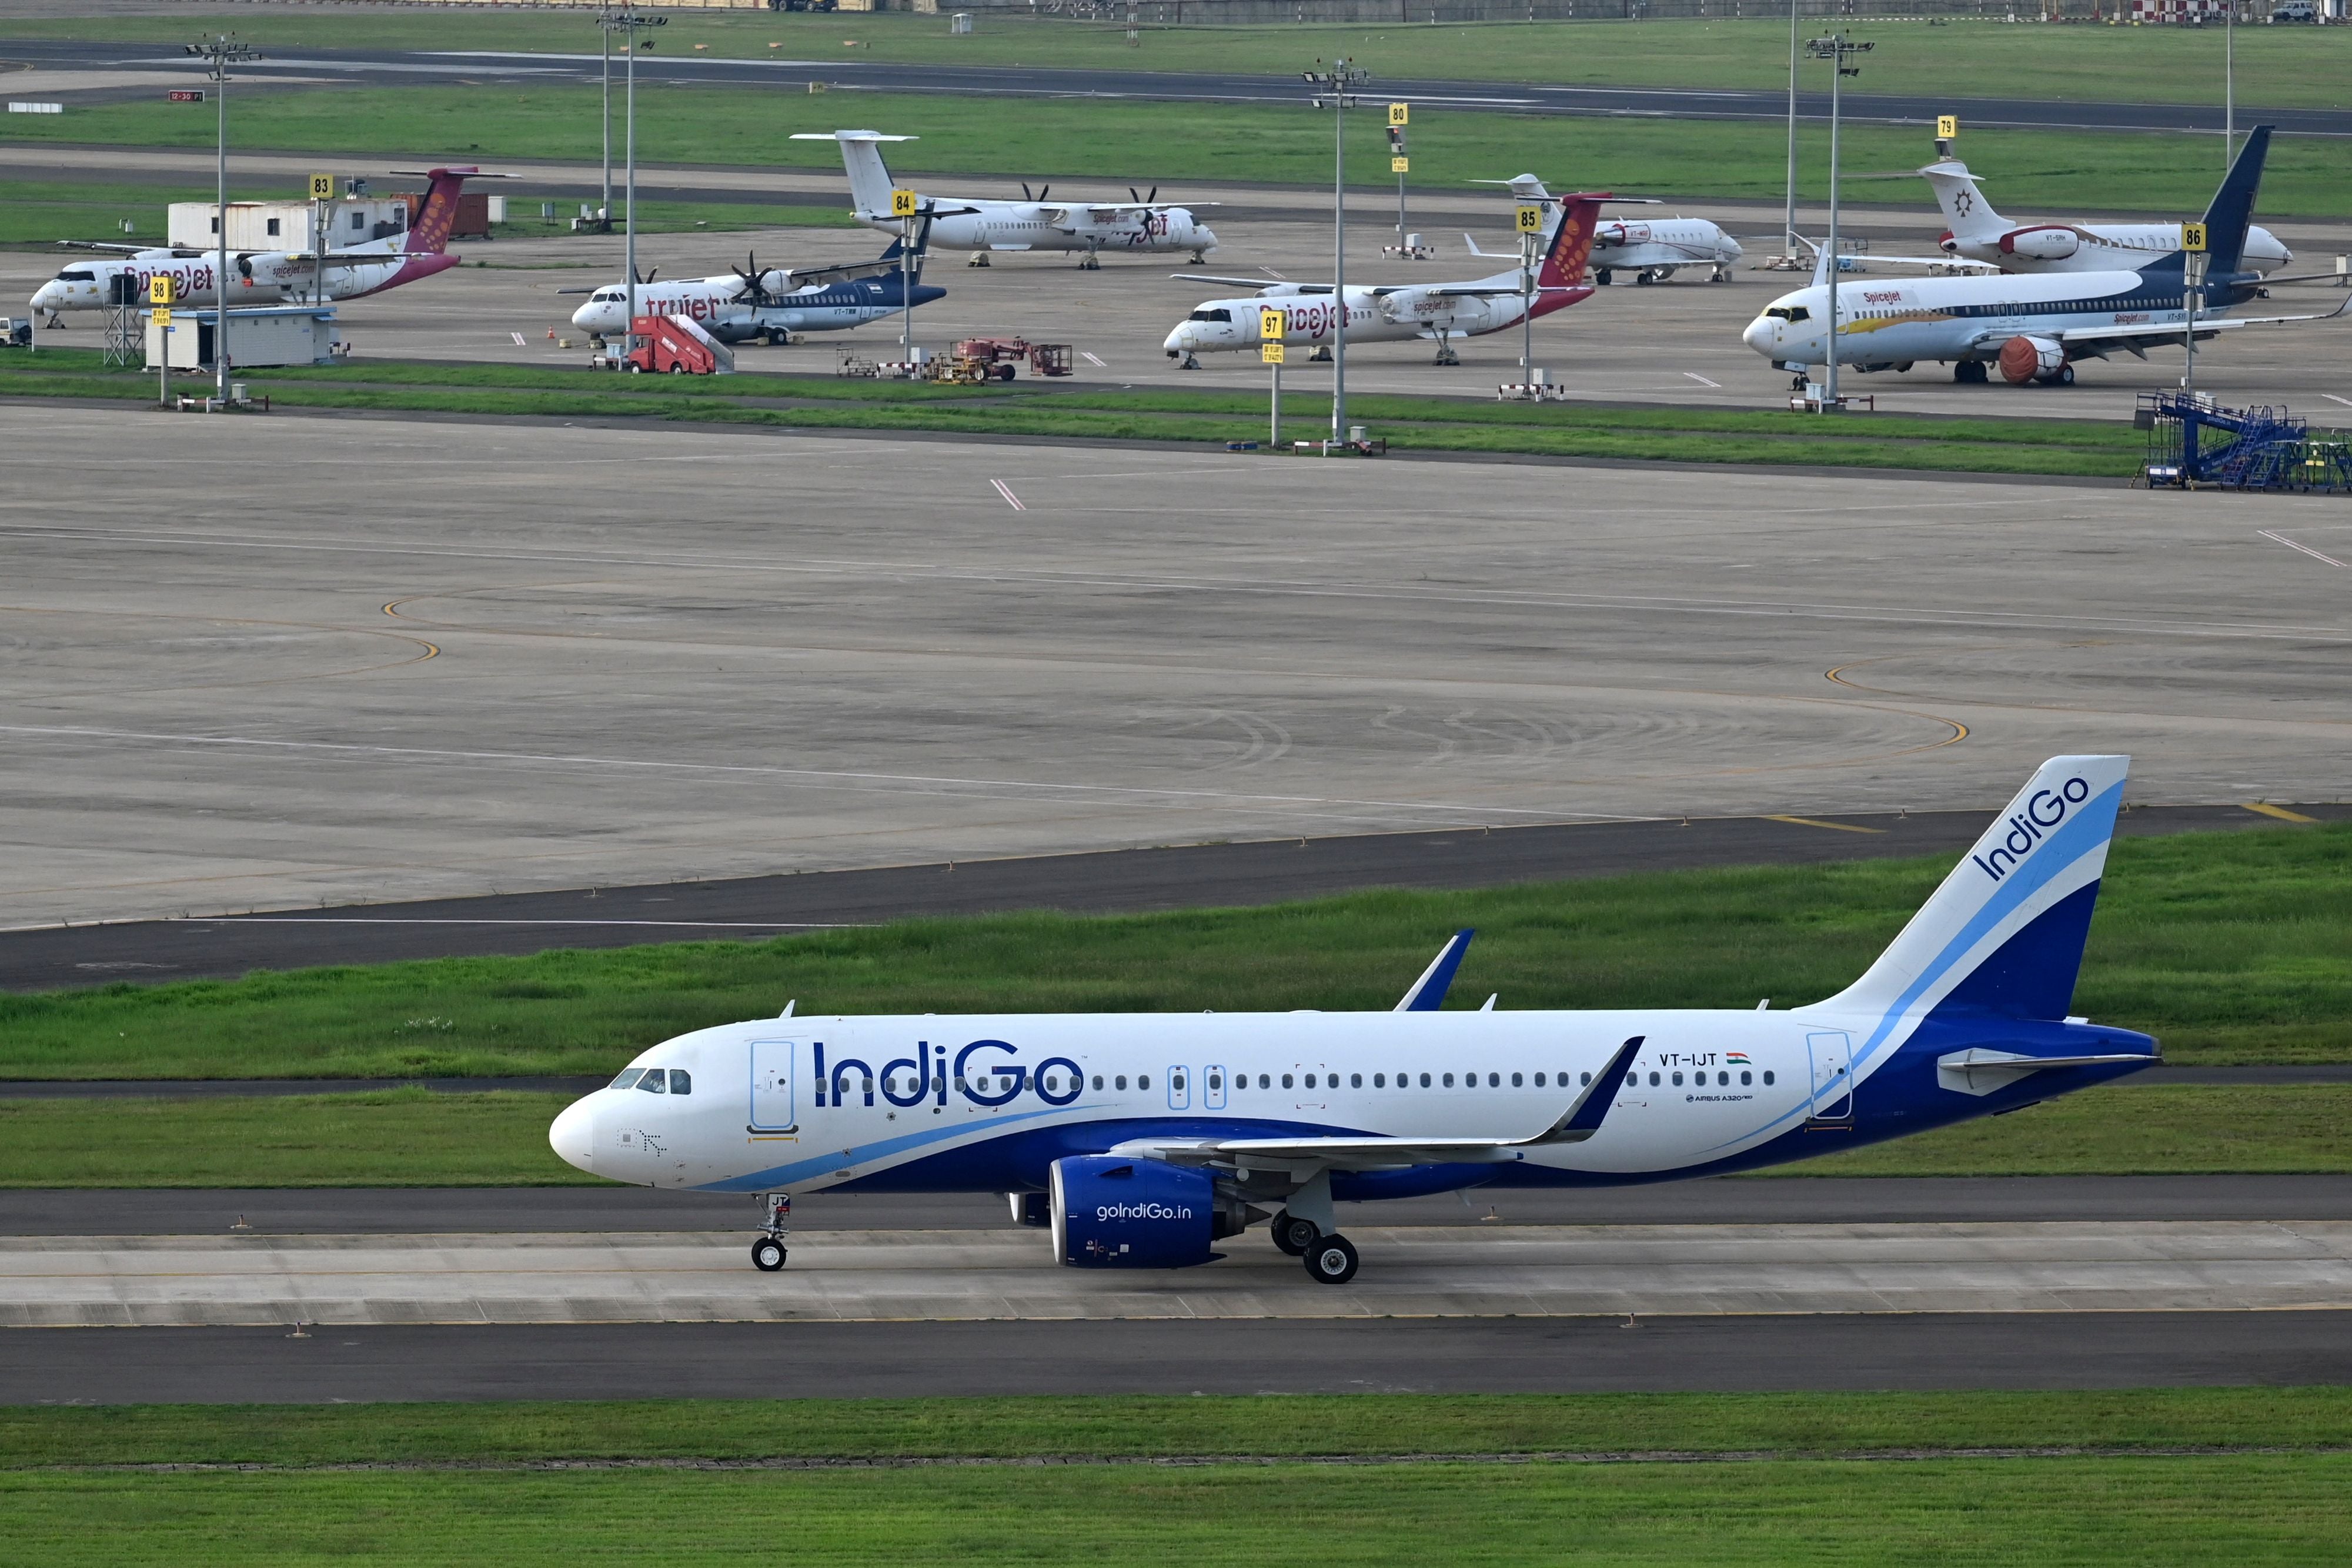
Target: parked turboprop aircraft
2034, 327
1143, 1140
1390, 313
271, 278
1980, 234
1652, 251
769, 304
1140, 224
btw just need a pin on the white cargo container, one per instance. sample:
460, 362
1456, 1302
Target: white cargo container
286, 225
257, 339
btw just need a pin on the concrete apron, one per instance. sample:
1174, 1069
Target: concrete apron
848, 1275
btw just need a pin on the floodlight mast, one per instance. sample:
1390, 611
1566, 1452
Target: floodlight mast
1834, 49
1788, 228
628, 23
1335, 85
218, 53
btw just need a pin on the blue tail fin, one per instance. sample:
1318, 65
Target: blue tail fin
2004, 932
2232, 207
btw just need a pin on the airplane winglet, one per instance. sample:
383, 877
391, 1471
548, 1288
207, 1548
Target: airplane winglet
1583, 1118
1428, 993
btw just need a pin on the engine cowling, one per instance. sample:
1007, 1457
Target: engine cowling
2024, 358
2047, 241
1113, 1213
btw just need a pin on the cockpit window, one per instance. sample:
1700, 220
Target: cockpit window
609, 293
680, 1081
1218, 314
77, 275
628, 1075
653, 1081
1788, 313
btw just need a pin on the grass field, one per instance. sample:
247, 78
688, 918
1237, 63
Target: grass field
2276, 67
2064, 447
2241, 1476
2231, 947
1120, 142
415, 1138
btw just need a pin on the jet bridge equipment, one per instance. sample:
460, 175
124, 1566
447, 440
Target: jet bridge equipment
2194, 444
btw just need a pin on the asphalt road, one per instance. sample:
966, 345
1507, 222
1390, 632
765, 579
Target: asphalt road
816, 1360
1115, 882
407, 69
1792, 1200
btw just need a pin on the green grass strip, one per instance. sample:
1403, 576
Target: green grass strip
1786, 1425
2231, 947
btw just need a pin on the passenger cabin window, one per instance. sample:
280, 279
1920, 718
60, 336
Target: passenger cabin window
1122, 1081
1425, 1081
1678, 1080
1583, 1079
1768, 1078
1263, 1082
1310, 1080
629, 1075
1539, 1079
1286, 1081
680, 1081
1218, 314
1745, 1077
1654, 1080
1379, 1080
1355, 1081
1176, 1082
1515, 1081
1449, 1080
1144, 1080
1098, 1080
1494, 1081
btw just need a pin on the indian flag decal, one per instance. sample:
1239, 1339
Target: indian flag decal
1736, 1058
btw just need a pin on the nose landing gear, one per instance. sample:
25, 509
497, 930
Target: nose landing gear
768, 1252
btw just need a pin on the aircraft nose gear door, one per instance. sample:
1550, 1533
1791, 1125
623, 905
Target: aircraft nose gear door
1832, 1051
771, 1085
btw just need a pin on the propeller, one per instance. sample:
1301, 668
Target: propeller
1144, 201
754, 291
650, 274
1043, 191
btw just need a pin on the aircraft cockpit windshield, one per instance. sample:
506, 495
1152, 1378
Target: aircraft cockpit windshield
77, 275
1788, 313
1217, 315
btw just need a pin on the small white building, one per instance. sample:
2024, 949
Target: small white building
257, 339
285, 225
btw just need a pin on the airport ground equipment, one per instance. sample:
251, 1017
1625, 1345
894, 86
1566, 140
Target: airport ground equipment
674, 345
999, 355
2195, 444
184, 339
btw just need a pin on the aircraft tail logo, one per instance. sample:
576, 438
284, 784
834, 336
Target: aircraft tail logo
1571, 240
1965, 211
2004, 934
437, 215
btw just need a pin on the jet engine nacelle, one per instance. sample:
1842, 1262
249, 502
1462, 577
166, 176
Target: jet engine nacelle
1113, 1213
2049, 242
1281, 291
2024, 358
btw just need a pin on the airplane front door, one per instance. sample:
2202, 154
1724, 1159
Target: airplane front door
1833, 1053
771, 1085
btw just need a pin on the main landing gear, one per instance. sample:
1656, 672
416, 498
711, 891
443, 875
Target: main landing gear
1445, 354
1330, 1259
1970, 373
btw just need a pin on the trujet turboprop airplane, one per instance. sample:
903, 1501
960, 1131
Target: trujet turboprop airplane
1144, 1140
2034, 328
769, 304
1398, 312
1142, 226
1977, 233
1652, 251
271, 277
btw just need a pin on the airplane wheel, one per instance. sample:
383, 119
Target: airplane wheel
1292, 1235
1602, 278
2065, 376
1644, 276
1333, 1260
767, 1254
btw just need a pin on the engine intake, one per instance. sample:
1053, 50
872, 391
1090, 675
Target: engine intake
2024, 359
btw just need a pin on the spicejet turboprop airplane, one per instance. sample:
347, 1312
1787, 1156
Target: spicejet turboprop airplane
1392, 313
1143, 1140
269, 277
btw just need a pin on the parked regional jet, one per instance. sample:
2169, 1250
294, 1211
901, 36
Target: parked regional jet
1652, 252
2034, 328
1977, 233
1144, 1140
1142, 224
271, 277
1390, 313
769, 304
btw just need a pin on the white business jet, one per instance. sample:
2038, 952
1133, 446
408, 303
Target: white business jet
1393, 313
1977, 233
2034, 327
1142, 1140
1652, 251
1140, 225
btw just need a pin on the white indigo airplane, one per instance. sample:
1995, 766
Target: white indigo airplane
1143, 1140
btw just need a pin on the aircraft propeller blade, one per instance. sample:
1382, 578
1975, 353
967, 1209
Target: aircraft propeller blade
1024, 191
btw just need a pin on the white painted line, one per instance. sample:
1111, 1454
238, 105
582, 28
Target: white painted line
1091, 359
2306, 550
518, 338
1010, 499
2331, 397
1703, 381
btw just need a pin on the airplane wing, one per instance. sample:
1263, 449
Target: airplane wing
1957, 264
801, 276
1245, 282
2095, 341
1498, 255
126, 249
1579, 1121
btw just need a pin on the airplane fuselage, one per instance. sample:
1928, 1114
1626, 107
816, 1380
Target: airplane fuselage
2098, 248
1059, 226
715, 303
255, 277
1310, 317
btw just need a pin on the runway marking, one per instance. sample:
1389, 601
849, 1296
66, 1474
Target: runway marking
2331, 397
518, 338
1010, 499
1817, 823
1703, 381
2306, 549
1091, 359
2280, 813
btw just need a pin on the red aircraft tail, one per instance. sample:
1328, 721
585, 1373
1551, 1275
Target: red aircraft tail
437, 213
1571, 242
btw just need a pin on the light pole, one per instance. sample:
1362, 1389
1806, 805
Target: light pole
1834, 49
219, 52
1334, 86
2192, 275
627, 24
1530, 216
2229, 85
605, 210
1789, 228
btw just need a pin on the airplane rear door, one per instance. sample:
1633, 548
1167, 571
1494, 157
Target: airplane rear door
771, 1085
1833, 1052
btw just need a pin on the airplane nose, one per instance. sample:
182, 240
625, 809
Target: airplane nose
583, 318
1731, 249
1177, 341
1758, 335
572, 1134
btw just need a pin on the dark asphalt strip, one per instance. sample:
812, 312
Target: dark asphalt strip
1111, 882
1467, 1355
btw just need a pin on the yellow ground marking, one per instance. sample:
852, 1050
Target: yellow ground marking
2280, 813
